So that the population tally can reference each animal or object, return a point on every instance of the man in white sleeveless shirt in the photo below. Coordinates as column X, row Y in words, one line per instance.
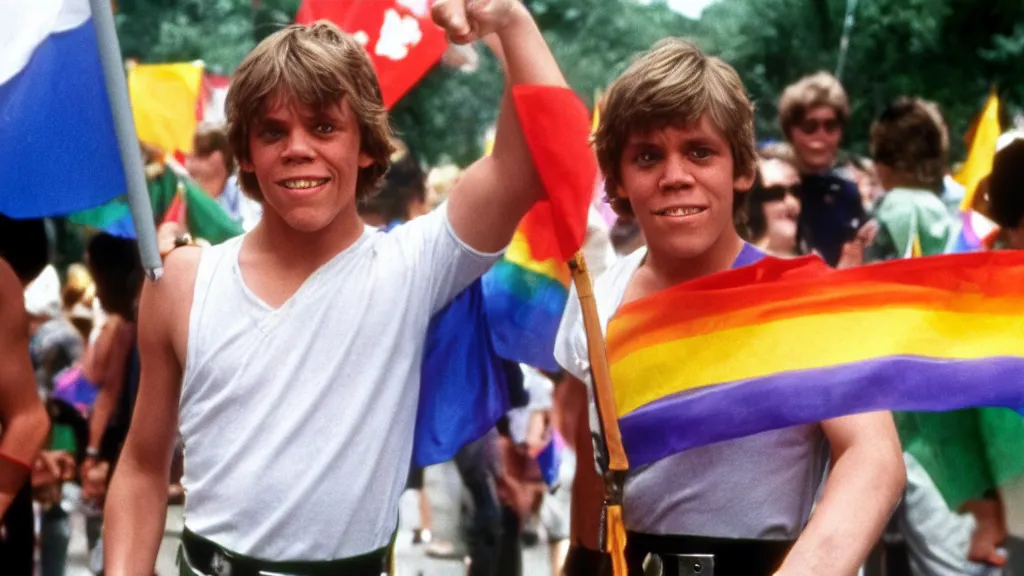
column 295, row 350
column 676, row 145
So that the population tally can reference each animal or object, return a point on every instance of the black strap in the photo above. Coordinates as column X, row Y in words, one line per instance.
column 733, row 556
column 201, row 553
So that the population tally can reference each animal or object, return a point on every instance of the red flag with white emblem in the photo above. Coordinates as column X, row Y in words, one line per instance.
column 402, row 40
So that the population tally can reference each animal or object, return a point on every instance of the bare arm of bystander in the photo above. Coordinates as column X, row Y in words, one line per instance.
column 24, row 424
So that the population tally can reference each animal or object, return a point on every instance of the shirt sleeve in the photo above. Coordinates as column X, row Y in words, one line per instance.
column 444, row 264
column 597, row 246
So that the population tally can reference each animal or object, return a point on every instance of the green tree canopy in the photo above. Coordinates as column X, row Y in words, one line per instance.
column 949, row 51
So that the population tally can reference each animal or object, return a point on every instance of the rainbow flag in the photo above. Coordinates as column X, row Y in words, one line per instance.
column 470, row 374
column 525, row 296
column 788, row 342
column 525, row 292
column 976, row 233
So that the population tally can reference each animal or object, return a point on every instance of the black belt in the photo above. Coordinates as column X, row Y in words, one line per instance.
column 208, row 557
column 682, row 555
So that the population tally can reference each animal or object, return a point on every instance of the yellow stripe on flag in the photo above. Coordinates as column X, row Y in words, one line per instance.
column 663, row 369
column 164, row 99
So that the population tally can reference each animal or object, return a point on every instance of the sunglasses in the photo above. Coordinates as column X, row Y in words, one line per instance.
column 777, row 193
column 812, row 125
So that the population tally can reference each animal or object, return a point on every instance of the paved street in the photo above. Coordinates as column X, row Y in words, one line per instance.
column 442, row 484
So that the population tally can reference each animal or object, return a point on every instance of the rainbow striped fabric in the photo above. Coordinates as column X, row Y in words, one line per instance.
column 525, row 296
column 787, row 342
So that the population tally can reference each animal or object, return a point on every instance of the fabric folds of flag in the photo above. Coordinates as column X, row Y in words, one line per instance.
column 399, row 35
column 526, row 291
column 754, row 349
column 982, row 153
column 466, row 387
column 171, row 195
column 165, row 98
column 56, row 126
column 510, row 316
column 976, row 233
column 557, row 225
column 525, row 298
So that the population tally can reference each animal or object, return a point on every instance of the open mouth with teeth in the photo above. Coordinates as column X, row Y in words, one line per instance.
column 680, row 211
column 304, row 183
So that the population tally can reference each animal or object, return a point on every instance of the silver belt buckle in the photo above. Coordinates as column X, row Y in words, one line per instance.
column 679, row 565
column 220, row 564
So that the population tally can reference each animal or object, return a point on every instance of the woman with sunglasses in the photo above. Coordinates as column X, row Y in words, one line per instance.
column 812, row 113
column 773, row 208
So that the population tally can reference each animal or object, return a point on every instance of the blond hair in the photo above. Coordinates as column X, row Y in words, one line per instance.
column 808, row 93
column 673, row 83
column 319, row 65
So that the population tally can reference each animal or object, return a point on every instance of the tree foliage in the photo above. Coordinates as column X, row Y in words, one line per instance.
column 445, row 118
column 949, row 51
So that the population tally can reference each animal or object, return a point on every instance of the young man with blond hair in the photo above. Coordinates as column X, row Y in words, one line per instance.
column 676, row 145
column 291, row 355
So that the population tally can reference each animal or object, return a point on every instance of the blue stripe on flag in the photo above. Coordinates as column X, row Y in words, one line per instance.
column 60, row 153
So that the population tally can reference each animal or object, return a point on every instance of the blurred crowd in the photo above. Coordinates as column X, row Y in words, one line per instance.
column 811, row 196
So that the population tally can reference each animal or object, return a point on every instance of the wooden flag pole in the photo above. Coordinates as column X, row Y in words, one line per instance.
column 608, row 449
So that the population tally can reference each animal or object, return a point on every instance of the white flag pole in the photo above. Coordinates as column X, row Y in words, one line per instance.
column 127, row 141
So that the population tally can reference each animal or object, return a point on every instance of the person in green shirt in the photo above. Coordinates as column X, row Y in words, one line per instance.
column 955, row 460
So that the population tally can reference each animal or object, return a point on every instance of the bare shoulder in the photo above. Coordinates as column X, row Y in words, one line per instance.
column 166, row 303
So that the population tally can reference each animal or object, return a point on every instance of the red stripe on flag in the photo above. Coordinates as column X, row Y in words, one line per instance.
column 556, row 126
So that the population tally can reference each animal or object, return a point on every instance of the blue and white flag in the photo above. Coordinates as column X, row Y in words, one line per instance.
column 58, row 150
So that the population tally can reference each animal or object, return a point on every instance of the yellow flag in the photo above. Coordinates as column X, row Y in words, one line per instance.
column 596, row 122
column 164, row 99
column 982, row 152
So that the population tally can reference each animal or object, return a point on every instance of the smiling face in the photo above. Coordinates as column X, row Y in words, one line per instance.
column 781, row 206
column 680, row 182
column 816, row 139
column 306, row 161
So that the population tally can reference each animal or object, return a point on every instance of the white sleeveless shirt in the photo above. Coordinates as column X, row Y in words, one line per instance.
column 762, row 486
column 298, row 421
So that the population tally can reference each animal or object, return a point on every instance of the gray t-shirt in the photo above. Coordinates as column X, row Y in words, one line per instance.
column 761, row 486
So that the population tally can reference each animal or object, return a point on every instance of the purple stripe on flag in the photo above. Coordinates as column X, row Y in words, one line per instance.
column 902, row 383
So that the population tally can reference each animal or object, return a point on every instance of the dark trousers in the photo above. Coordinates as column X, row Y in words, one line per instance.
column 17, row 535
column 477, row 465
column 511, row 555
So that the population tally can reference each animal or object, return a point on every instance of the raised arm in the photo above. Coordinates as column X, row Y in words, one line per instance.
column 24, row 424
column 136, row 506
column 495, row 192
